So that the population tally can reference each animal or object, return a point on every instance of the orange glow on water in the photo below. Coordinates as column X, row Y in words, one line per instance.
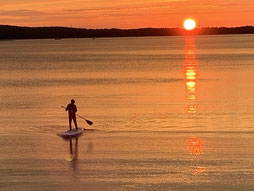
column 192, row 109
column 191, row 85
column 196, row 145
column 199, row 170
column 190, row 73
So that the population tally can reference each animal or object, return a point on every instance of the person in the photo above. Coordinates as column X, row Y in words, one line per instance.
column 72, row 109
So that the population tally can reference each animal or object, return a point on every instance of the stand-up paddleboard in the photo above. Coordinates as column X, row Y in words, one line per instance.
column 71, row 133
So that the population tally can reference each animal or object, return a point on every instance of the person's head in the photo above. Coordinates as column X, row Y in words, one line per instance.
column 72, row 101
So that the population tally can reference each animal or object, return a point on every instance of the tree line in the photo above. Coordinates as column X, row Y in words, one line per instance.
column 17, row 32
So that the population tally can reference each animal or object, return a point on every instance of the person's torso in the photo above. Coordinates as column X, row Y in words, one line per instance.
column 72, row 109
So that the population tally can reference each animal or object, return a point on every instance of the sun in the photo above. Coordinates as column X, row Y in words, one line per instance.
column 189, row 24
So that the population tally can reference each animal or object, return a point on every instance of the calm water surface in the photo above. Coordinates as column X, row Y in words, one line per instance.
column 169, row 113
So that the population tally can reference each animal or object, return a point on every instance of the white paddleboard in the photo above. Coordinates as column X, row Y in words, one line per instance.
column 72, row 133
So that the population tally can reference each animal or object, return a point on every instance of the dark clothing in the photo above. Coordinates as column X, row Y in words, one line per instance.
column 74, row 120
column 72, row 109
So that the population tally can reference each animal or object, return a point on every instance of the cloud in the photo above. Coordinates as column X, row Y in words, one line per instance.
column 21, row 13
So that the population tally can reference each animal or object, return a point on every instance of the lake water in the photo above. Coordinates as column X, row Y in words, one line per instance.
column 169, row 113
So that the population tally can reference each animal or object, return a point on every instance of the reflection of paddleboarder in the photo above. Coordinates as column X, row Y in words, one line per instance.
column 72, row 109
column 73, row 156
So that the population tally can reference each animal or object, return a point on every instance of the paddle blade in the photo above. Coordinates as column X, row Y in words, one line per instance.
column 89, row 122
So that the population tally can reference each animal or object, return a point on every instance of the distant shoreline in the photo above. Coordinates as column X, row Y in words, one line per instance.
column 8, row 32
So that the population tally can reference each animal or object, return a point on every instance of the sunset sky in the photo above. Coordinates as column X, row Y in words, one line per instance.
column 126, row 13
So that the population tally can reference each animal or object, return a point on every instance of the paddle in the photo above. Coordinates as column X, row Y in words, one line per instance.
column 89, row 122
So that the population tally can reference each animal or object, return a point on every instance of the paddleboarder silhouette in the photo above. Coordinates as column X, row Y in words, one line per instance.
column 72, row 109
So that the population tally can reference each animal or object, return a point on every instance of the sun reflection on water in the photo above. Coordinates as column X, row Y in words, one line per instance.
column 195, row 144
column 199, row 170
column 190, row 72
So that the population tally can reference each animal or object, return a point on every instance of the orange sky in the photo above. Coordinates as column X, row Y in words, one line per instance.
column 126, row 13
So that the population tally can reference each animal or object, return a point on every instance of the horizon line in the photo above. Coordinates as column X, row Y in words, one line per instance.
column 57, row 26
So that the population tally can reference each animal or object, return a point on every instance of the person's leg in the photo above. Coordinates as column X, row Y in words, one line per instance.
column 70, row 122
column 75, row 122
